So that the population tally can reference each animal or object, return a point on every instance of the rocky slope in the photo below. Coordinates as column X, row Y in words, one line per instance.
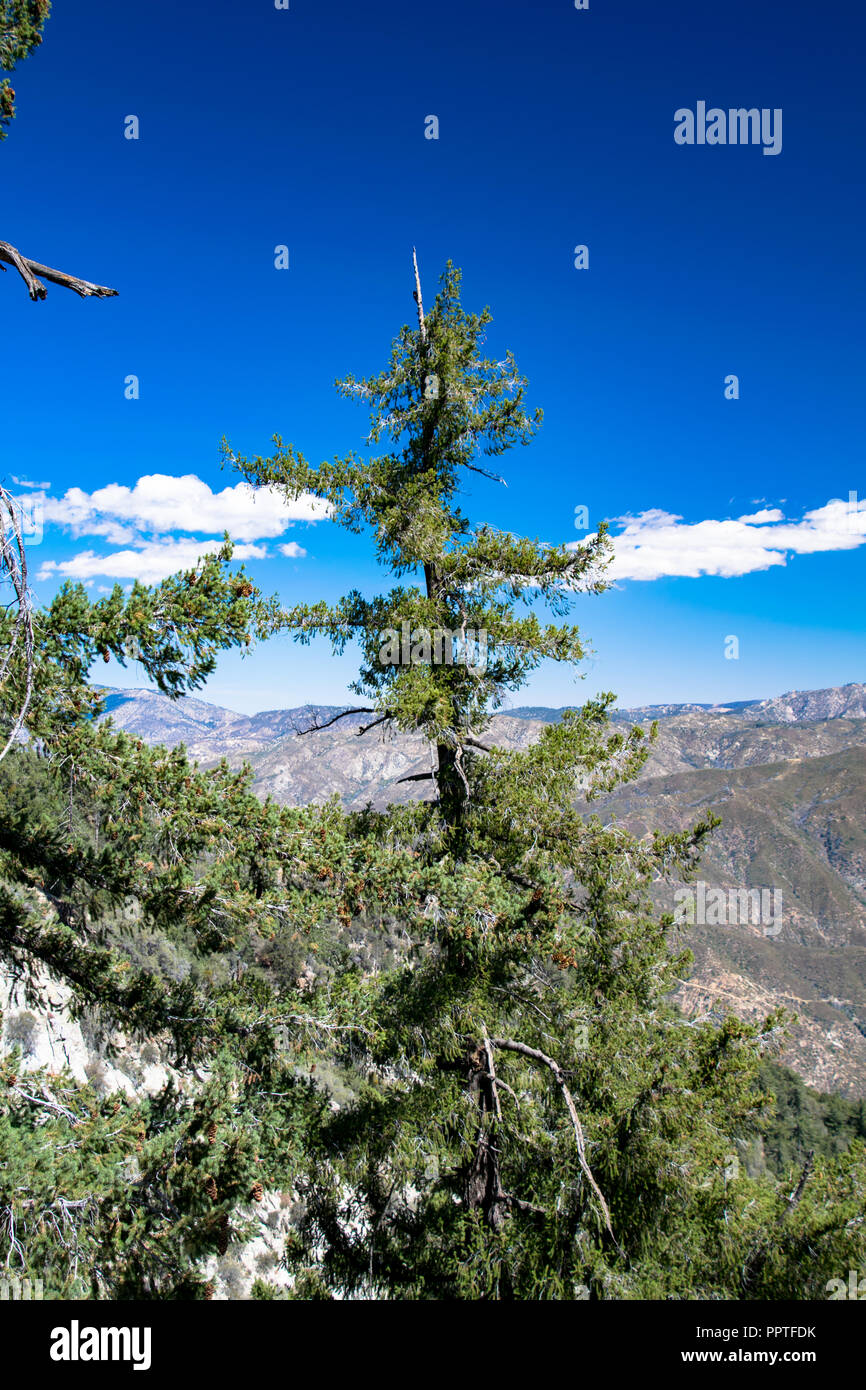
column 797, row 828
column 41, row 1025
column 786, row 775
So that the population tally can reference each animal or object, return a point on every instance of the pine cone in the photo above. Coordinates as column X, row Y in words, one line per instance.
column 208, row 1291
column 257, row 1192
column 210, row 1188
column 211, row 1132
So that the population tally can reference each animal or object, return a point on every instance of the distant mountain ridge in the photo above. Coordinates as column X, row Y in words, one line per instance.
column 836, row 702
column 147, row 713
column 787, row 775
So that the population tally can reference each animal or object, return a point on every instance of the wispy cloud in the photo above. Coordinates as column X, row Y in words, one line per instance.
column 150, row 562
column 657, row 544
column 24, row 482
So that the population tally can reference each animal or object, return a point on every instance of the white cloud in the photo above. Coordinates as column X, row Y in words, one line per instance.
column 23, row 482
column 151, row 562
column 146, row 519
column 656, row 544
column 768, row 514
column 160, row 503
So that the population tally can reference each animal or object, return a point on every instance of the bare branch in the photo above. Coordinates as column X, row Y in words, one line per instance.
column 494, row 477
column 315, row 728
column 520, row 1204
column 508, row 1045
column 491, row 1075
column 422, row 327
column 365, row 728
column 13, row 566
column 29, row 270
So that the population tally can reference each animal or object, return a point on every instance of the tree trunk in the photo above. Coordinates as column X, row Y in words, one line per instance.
column 484, row 1191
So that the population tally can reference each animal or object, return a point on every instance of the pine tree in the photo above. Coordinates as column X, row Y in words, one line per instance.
column 533, row 1118
column 523, row 1112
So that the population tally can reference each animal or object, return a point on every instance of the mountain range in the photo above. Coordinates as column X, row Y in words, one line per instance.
column 787, row 776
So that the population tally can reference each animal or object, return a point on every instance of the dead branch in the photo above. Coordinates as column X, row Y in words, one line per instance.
column 491, row 1075
column 315, row 728
column 518, row 1202
column 30, row 270
column 422, row 327
column 13, row 566
column 508, row 1045
column 365, row 728
column 474, row 468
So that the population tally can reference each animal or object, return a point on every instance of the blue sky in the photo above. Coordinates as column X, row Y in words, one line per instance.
column 262, row 127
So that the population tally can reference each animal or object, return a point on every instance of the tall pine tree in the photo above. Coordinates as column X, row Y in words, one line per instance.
column 524, row 1114
column 533, row 1118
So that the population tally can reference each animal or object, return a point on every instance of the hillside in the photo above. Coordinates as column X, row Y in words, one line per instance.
column 786, row 775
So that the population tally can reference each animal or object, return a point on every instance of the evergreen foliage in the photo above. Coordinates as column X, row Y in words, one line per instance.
column 523, row 1114
column 537, row 1118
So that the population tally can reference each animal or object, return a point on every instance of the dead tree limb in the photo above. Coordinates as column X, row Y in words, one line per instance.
column 491, row 1075
column 365, row 728
column 13, row 566
column 422, row 327
column 474, row 468
column 31, row 270
column 508, row 1045
column 315, row 728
